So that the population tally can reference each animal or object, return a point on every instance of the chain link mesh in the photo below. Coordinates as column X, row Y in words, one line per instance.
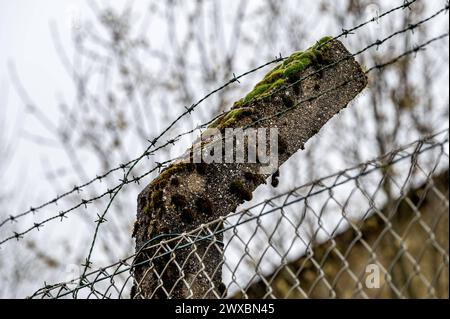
column 379, row 229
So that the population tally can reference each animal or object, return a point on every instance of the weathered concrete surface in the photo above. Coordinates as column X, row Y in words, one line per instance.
column 185, row 196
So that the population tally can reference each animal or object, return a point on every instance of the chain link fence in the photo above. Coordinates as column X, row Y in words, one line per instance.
column 379, row 229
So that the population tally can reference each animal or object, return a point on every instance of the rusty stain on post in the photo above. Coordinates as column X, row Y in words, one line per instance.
column 186, row 195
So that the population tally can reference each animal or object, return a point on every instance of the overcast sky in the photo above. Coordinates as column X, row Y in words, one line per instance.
column 27, row 45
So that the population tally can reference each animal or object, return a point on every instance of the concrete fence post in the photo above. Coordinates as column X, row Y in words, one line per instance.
column 289, row 106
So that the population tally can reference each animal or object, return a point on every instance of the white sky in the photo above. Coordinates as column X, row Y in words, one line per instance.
column 26, row 43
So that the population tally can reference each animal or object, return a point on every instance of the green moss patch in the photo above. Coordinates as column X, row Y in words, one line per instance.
column 285, row 71
column 231, row 118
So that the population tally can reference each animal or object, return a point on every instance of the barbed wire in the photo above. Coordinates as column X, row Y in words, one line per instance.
column 164, row 242
column 410, row 28
column 112, row 193
column 377, row 43
column 147, row 152
column 129, row 166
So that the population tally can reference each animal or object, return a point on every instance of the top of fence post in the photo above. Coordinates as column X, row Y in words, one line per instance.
column 237, row 153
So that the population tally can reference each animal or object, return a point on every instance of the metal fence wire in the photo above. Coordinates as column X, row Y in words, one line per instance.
column 127, row 167
column 378, row 229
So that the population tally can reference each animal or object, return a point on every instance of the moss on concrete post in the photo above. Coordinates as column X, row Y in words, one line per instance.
column 187, row 195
